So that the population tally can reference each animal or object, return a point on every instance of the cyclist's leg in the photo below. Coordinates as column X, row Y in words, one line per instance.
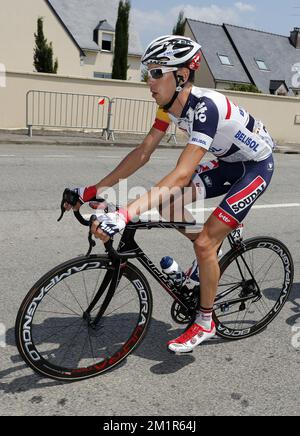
column 209, row 182
column 231, row 212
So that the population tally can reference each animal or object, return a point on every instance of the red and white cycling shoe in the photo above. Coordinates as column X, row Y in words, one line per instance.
column 191, row 338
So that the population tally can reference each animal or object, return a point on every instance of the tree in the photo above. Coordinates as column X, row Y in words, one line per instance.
column 144, row 74
column 180, row 25
column 245, row 88
column 120, row 66
column 43, row 52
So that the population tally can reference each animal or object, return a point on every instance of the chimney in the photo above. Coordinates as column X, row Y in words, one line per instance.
column 295, row 37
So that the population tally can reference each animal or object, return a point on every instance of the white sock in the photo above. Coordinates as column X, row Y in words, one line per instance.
column 204, row 318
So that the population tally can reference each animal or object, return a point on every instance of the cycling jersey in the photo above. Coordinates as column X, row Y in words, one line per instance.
column 216, row 124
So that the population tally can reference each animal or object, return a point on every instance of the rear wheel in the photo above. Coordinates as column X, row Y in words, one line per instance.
column 57, row 334
column 256, row 280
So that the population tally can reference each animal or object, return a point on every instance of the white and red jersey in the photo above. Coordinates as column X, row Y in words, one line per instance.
column 216, row 124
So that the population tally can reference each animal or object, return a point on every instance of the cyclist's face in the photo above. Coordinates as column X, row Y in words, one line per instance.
column 162, row 89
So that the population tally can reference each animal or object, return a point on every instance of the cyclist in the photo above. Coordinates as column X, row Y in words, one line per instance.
column 241, row 171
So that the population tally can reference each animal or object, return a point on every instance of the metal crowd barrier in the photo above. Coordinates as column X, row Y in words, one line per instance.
column 66, row 111
column 82, row 111
column 129, row 115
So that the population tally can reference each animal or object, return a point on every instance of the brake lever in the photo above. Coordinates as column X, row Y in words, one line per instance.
column 63, row 210
column 92, row 243
column 108, row 245
column 70, row 197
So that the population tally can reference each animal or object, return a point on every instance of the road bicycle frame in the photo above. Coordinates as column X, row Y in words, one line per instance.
column 129, row 249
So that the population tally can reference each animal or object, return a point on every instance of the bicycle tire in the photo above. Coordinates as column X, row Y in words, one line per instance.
column 228, row 266
column 29, row 335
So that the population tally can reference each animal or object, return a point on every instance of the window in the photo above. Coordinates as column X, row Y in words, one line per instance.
column 261, row 65
column 107, row 41
column 224, row 59
column 102, row 75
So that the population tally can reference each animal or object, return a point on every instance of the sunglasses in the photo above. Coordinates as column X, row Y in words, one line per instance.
column 157, row 73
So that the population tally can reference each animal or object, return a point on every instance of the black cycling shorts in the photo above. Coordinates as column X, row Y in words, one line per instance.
column 242, row 182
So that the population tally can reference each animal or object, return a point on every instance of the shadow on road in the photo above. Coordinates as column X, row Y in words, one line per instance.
column 153, row 348
column 295, row 300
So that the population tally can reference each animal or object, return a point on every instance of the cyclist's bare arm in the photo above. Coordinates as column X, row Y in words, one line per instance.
column 179, row 177
column 136, row 159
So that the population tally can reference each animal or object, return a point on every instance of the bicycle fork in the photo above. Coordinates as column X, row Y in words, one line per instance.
column 111, row 279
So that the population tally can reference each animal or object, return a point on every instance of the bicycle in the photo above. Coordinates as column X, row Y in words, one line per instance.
column 88, row 314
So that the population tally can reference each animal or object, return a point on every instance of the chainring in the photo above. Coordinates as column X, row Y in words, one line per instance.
column 190, row 297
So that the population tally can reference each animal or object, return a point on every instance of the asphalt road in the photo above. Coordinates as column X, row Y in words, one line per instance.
column 257, row 376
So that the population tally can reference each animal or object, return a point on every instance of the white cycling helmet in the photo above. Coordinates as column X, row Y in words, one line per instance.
column 172, row 50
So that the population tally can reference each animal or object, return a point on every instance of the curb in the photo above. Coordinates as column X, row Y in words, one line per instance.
column 90, row 143
column 83, row 144
column 286, row 150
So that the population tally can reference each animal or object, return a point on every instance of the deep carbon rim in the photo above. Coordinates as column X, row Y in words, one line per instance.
column 33, row 336
column 272, row 271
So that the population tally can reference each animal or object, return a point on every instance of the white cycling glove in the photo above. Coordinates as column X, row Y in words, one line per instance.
column 114, row 222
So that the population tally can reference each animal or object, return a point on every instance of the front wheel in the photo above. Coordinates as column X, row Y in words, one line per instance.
column 256, row 280
column 73, row 325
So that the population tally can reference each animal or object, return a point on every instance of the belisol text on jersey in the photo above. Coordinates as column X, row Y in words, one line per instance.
column 247, row 140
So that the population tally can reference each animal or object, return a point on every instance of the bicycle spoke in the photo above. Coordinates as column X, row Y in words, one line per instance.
column 69, row 347
column 52, row 312
column 115, row 295
column 67, row 286
column 260, row 272
column 82, row 350
column 120, row 307
column 64, row 335
column 97, row 285
column 91, row 347
column 85, row 289
column 61, row 303
column 61, row 328
column 265, row 274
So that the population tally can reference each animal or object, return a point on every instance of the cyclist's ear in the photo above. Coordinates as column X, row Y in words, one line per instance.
column 183, row 75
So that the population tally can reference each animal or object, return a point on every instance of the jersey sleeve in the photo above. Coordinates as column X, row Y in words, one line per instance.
column 162, row 120
column 205, row 123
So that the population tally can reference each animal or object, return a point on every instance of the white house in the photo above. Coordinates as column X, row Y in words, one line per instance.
column 82, row 33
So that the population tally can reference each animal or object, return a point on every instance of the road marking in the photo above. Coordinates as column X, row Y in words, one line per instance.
column 122, row 157
column 7, row 155
column 255, row 207
column 57, row 156
column 154, row 214
column 276, row 206
column 110, row 157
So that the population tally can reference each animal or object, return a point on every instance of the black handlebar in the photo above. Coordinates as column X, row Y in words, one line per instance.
column 109, row 244
column 72, row 198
